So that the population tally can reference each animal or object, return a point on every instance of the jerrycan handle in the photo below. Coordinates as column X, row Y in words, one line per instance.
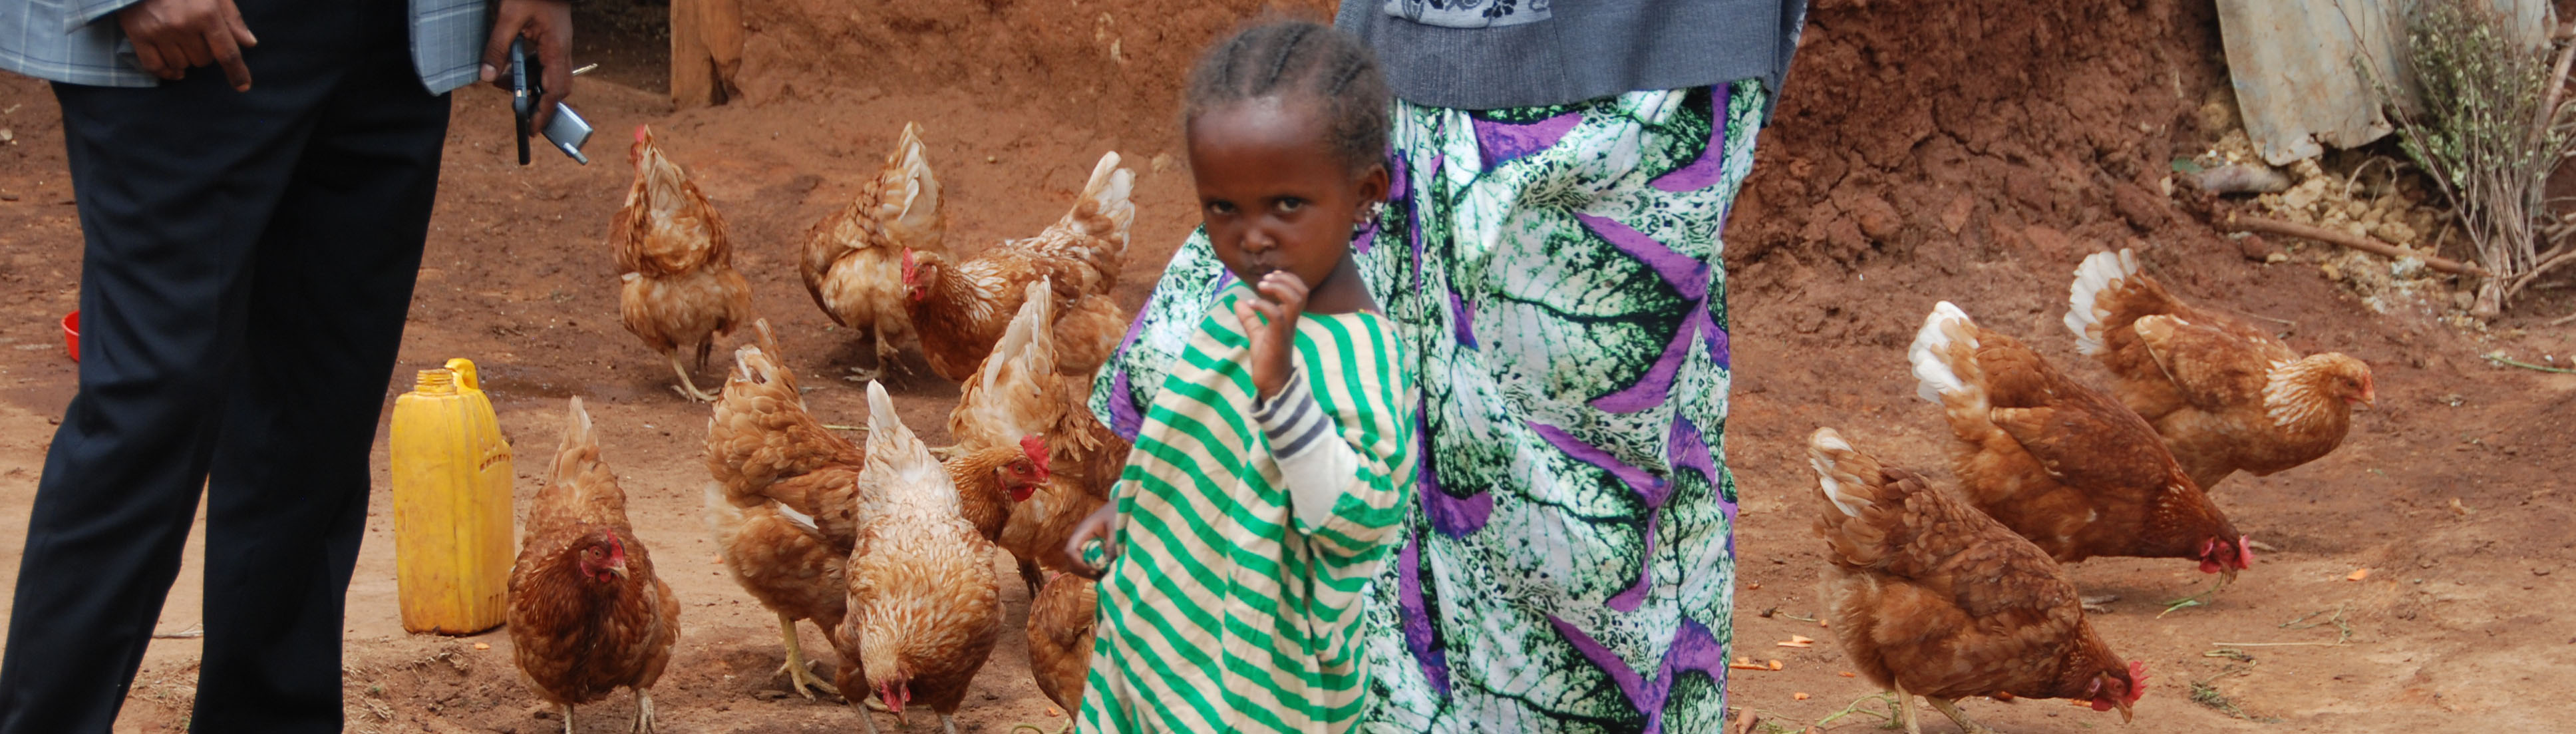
column 465, row 375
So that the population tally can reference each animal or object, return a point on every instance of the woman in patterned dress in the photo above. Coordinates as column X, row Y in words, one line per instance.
column 1272, row 472
column 1550, row 258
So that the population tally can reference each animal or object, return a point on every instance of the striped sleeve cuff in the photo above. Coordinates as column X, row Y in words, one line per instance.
column 1291, row 418
column 1313, row 459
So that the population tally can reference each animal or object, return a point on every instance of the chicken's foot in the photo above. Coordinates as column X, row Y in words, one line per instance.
column 867, row 721
column 687, row 388
column 1951, row 709
column 2099, row 604
column 798, row 676
column 864, row 374
column 643, row 712
column 947, row 724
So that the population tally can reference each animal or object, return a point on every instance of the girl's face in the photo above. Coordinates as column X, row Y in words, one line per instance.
column 1274, row 195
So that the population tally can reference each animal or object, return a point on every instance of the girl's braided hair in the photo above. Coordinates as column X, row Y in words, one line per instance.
column 1301, row 57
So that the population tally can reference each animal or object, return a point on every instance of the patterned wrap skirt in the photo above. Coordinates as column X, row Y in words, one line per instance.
column 1569, row 563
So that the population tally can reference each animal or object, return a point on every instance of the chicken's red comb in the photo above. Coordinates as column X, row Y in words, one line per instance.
column 640, row 133
column 1035, row 446
column 907, row 266
column 2137, row 679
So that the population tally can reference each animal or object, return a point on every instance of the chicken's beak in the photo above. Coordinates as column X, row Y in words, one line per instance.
column 2123, row 706
column 618, row 570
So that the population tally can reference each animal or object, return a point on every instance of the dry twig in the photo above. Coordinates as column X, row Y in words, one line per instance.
column 2273, row 226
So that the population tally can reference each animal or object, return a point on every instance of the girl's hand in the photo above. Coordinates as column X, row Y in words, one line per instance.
column 1283, row 297
column 1102, row 526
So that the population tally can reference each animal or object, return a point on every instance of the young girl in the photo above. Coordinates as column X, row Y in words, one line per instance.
column 1271, row 476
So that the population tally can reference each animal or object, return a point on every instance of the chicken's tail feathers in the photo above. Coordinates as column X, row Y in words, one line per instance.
column 2101, row 272
column 1105, row 209
column 1843, row 473
column 1943, row 350
column 763, row 336
column 580, row 446
column 1026, row 333
column 913, row 192
column 898, row 463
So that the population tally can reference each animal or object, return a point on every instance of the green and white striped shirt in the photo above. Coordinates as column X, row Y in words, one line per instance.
column 1250, row 534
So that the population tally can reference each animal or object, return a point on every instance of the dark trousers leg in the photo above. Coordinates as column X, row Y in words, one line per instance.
column 287, row 502
column 248, row 262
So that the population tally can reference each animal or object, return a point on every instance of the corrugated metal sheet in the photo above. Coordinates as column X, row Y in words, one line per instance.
column 2294, row 67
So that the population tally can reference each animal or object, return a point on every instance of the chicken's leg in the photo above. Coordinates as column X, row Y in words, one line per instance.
column 1913, row 718
column 947, row 724
column 687, row 388
column 1029, row 574
column 798, row 676
column 643, row 711
column 1951, row 709
column 567, row 714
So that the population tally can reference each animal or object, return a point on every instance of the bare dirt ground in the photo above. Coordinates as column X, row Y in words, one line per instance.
column 1904, row 169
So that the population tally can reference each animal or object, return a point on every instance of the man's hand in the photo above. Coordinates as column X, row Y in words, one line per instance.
column 547, row 24
column 1283, row 297
column 172, row 36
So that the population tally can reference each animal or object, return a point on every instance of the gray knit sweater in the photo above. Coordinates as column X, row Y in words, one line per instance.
column 1493, row 54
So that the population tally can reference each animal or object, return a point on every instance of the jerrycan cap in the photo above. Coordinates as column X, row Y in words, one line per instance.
column 435, row 382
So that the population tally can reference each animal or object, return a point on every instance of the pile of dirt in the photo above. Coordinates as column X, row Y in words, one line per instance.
column 1108, row 65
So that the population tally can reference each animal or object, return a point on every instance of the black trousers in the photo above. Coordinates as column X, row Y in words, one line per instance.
column 248, row 266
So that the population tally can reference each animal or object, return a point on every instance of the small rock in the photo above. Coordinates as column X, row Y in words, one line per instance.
column 2395, row 232
column 2540, row 572
column 2332, row 272
column 2276, row 258
column 2254, row 247
column 769, row 694
column 6, row 196
column 989, row 695
column 2305, row 194
column 543, row 714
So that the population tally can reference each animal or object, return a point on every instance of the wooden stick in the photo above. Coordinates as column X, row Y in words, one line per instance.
column 2273, row 226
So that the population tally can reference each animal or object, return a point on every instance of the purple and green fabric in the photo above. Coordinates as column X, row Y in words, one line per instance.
column 1557, row 273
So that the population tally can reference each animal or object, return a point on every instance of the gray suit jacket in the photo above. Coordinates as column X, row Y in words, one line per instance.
column 74, row 41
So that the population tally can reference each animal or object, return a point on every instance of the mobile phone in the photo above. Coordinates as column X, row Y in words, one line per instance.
column 567, row 131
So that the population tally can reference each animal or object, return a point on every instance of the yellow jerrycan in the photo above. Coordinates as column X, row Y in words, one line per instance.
column 451, row 477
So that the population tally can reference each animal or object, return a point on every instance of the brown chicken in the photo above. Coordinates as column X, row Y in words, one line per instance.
column 678, row 287
column 586, row 613
column 788, row 570
column 852, row 264
column 924, row 604
column 2060, row 462
column 1931, row 598
column 1060, row 638
column 2225, row 395
column 1021, row 390
column 959, row 309
column 778, row 469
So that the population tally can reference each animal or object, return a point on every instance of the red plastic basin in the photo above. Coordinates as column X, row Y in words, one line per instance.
column 71, row 335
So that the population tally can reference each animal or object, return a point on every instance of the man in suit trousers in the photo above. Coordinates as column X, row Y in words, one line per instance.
column 254, row 185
